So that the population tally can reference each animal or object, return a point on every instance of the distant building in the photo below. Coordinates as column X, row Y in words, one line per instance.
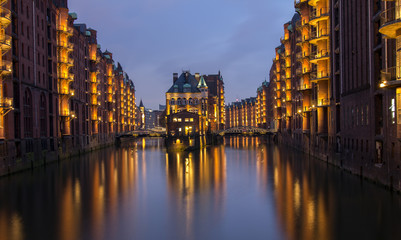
column 186, row 105
column 242, row 113
column 216, row 101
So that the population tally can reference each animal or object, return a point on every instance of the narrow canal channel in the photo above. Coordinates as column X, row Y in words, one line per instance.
column 244, row 189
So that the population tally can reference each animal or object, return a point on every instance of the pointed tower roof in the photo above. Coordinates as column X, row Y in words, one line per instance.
column 202, row 83
column 141, row 104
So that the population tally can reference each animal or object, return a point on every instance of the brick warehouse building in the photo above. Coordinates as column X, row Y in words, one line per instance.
column 60, row 93
column 334, row 86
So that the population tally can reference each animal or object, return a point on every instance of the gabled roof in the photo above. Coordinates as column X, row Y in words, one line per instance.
column 185, row 78
column 202, row 83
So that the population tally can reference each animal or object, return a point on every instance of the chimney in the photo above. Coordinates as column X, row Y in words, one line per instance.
column 197, row 76
column 175, row 77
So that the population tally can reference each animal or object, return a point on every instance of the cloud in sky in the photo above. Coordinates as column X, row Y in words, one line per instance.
column 154, row 38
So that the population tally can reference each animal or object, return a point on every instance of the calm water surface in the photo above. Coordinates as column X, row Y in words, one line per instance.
column 245, row 189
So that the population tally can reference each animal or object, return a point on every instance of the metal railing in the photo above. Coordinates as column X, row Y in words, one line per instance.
column 321, row 102
column 5, row 42
column 320, row 54
column 319, row 75
column 64, row 44
column 6, row 102
column 317, row 13
column 65, row 60
column 390, row 15
column 391, row 74
column 6, row 67
column 323, row 32
column 5, row 14
column 65, row 29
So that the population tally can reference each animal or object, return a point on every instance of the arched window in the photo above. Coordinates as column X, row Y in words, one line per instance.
column 42, row 115
column 179, row 101
column 190, row 102
column 184, row 101
column 28, row 123
column 172, row 101
column 195, row 101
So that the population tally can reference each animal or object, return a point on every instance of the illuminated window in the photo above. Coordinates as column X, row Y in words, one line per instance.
column 179, row 129
column 174, row 119
column 191, row 119
column 186, row 119
column 179, row 120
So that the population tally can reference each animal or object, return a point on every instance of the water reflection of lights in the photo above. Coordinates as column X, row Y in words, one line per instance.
column 191, row 174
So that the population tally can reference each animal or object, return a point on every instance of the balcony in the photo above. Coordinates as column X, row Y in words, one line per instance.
column 320, row 55
column 67, row 92
column 6, row 103
column 321, row 102
column 390, row 22
column 6, row 67
column 305, row 87
column 317, row 15
column 320, row 76
column 66, row 30
column 5, row 17
column 66, row 45
column 313, row 2
column 67, row 113
column 391, row 77
column 66, row 76
column 5, row 43
column 304, row 39
column 319, row 35
column 66, row 61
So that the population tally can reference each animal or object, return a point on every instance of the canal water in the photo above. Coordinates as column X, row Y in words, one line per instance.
column 244, row 189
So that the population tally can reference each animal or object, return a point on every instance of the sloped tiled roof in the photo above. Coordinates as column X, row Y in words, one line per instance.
column 185, row 78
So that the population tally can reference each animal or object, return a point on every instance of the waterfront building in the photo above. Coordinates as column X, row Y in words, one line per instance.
column 261, row 105
column 187, row 105
column 60, row 93
column 242, row 113
column 216, row 101
column 343, row 101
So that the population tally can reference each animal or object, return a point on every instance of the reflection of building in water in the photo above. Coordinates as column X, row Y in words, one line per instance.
column 108, row 178
column 243, row 142
column 191, row 174
column 301, row 208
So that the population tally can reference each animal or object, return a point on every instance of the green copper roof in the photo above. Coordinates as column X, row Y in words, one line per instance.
column 202, row 83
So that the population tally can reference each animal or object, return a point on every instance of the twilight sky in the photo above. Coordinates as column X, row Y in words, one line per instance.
column 154, row 38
